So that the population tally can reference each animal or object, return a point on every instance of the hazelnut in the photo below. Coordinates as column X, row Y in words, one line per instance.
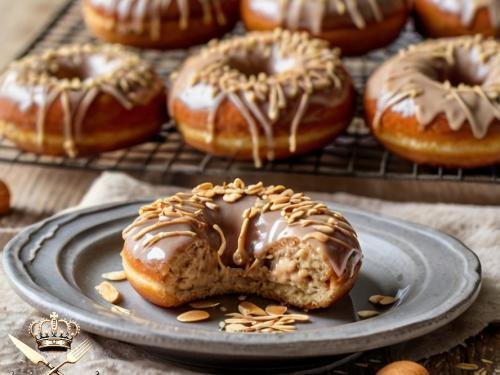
column 403, row 368
column 4, row 198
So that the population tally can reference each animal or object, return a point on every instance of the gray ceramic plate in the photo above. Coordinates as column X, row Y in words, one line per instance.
column 55, row 265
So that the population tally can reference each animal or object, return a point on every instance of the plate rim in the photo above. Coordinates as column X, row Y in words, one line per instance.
column 95, row 323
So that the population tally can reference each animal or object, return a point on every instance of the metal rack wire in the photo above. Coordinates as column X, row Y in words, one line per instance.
column 354, row 154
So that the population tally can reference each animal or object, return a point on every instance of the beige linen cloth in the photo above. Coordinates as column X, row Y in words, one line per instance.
column 478, row 227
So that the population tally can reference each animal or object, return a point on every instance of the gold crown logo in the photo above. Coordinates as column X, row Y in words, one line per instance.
column 54, row 333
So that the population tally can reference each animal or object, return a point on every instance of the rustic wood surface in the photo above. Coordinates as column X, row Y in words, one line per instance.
column 40, row 192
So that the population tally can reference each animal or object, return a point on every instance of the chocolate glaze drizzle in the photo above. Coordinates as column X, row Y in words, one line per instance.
column 299, row 70
column 310, row 14
column 132, row 16
column 75, row 75
column 467, row 9
column 241, row 223
column 458, row 77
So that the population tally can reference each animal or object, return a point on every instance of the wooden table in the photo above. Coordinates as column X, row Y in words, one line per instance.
column 40, row 192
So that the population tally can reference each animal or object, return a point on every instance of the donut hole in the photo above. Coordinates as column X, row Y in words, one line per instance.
column 84, row 68
column 258, row 64
column 465, row 70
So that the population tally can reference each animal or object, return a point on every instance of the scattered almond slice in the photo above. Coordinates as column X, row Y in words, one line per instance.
column 366, row 314
column 378, row 299
column 236, row 328
column 276, row 310
column 249, row 308
column 375, row 299
column 387, row 300
column 108, row 292
column 204, row 304
column 120, row 310
column 114, row 276
column 193, row 316
column 298, row 317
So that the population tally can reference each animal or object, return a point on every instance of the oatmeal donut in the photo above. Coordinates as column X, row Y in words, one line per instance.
column 160, row 24
column 80, row 99
column 439, row 102
column 232, row 238
column 355, row 26
column 266, row 94
column 437, row 18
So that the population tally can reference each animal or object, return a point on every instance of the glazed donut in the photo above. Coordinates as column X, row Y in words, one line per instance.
column 232, row 238
column 437, row 18
column 160, row 24
column 438, row 102
column 79, row 100
column 355, row 26
column 267, row 93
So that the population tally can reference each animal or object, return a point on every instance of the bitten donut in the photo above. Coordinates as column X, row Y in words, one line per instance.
column 79, row 100
column 160, row 24
column 355, row 26
column 264, row 95
column 233, row 238
column 439, row 102
column 437, row 18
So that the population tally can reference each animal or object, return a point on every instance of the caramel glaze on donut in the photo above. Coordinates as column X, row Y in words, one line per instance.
column 437, row 18
column 267, row 94
column 233, row 238
column 160, row 24
column 79, row 100
column 355, row 26
column 439, row 102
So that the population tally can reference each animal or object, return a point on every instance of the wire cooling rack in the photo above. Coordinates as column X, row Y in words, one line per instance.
column 353, row 154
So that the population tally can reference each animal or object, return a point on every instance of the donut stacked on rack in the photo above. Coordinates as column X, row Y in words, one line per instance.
column 438, row 18
column 355, row 26
column 160, row 24
column 439, row 102
column 264, row 95
column 79, row 100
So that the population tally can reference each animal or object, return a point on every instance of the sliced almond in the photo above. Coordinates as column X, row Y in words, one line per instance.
column 375, row 299
column 249, row 308
column 120, row 310
column 193, row 316
column 108, row 292
column 387, row 300
column 238, row 321
column 366, row 314
column 236, row 328
column 114, row 276
column 204, row 304
column 298, row 317
column 276, row 310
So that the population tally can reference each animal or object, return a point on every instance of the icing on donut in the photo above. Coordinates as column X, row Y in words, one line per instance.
column 309, row 15
column 458, row 77
column 242, row 222
column 261, row 74
column 138, row 13
column 467, row 9
column 75, row 75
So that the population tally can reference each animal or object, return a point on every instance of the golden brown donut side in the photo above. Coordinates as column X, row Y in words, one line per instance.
column 349, row 38
column 232, row 136
column 435, row 22
column 107, row 125
column 437, row 144
column 170, row 32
